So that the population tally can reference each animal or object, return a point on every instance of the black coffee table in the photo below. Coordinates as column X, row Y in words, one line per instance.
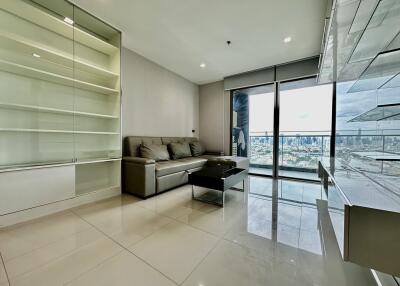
column 220, row 178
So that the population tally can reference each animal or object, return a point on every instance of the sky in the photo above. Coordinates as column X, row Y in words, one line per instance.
column 304, row 109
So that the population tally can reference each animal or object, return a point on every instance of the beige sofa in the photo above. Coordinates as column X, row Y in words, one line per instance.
column 145, row 177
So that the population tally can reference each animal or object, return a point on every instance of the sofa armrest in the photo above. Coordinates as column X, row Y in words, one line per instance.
column 139, row 160
column 139, row 176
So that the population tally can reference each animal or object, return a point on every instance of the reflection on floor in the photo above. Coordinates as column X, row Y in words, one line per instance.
column 274, row 233
column 285, row 173
column 260, row 171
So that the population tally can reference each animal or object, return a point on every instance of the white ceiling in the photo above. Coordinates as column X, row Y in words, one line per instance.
column 181, row 34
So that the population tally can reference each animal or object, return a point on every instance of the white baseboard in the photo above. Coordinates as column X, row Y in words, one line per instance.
column 40, row 211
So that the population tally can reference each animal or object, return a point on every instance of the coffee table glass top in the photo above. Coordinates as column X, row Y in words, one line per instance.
column 219, row 171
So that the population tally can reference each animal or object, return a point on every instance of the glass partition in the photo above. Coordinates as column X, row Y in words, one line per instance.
column 305, row 110
column 60, row 91
column 368, row 133
column 60, row 84
column 368, row 105
column 36, row 83
column 97, row 64
column 304, row 127
column 253, row 126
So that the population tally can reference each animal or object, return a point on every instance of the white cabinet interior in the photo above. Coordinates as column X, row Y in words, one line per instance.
column 59, row 91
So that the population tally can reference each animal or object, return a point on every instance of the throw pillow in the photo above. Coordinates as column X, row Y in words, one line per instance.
column 196, row 148
column 179, row 150
column 155, row 152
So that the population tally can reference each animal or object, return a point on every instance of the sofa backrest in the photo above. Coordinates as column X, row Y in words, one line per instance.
column 167, row 140
column 132, row 143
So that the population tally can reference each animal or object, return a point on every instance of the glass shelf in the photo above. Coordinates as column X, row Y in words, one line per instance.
column 394, row 117
column 381, row 112
column 39, row 16
column 60, row 85
column 392, row 83
column 60, row 99
column 52, row 77
column 34, row 165
column 29, row 46
column 382, row 28
column 54, row 110
column 57, row 131
column 379, row 156
column 379, row 74
column 358, row 31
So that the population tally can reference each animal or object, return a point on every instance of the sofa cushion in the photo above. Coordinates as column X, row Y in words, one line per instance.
column 174, row 166
column 155, row 152
column 138, row 160
column 168, row 140
column 196, row 148
column 132, row 144
column 179, row 150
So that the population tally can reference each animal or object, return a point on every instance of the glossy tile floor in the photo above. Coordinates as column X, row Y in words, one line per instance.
column 274, row 233
column 285, row 173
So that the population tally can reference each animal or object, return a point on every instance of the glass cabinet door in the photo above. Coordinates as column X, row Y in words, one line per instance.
column 97, row 88
column 36, row 83
column 253, row 126
column 305, row 127
column 59, row 84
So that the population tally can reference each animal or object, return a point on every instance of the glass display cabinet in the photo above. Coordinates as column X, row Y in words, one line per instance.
column 60, row 91
column 362, row 56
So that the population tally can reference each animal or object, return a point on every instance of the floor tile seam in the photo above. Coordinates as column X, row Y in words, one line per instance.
column 47, row 244
column 51, row 243
column 111, row 235
column 175, row 220
column 34, row 221
column 56, row 258
column 266, row 259
column 145, row 236
column 202, row 260
column 14, row 228
column 94, row 267
column 131, row 252
column 5, row 269
column 162, row 214
column 171, row 217
column 202, row 230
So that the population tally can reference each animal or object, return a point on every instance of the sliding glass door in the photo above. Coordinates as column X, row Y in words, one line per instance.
column 252, row 126
column 304, row 128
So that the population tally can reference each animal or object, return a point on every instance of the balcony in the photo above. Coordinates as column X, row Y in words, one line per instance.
column 299, row 152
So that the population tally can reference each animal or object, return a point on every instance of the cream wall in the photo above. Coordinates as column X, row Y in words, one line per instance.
column 214, row 117
column 156, row 101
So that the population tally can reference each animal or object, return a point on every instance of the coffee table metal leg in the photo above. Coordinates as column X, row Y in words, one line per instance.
column 221, row 204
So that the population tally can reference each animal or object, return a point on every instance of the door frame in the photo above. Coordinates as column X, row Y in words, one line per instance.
column 276, row 125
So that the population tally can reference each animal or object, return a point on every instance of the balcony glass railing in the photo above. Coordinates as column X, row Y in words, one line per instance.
column 297, row 151
column 371, row 153
column 301, row 151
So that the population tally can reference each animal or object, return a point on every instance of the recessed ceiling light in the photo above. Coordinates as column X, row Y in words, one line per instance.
column 68, row 20
column 202, row 65
column 36, row 55
column 287, row 39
